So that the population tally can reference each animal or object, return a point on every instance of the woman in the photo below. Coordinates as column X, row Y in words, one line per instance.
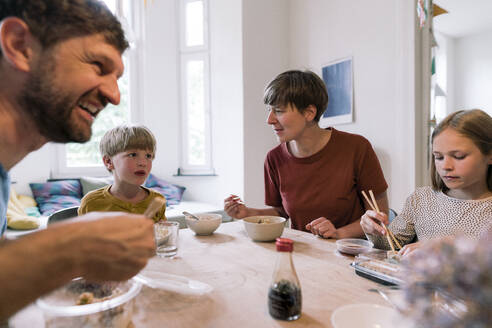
column 315, row 176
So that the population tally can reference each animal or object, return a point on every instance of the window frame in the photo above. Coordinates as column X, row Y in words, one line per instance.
column 186, row 55
column 134, row 57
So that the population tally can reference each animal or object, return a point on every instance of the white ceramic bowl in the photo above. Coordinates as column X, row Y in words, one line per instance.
column 264, row 228
column 208, row 223
column 353, row 246
column 60, row 309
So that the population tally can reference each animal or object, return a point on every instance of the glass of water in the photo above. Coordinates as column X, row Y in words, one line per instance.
column 166, row 238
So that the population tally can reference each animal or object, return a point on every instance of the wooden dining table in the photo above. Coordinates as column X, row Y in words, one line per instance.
column 240, row 272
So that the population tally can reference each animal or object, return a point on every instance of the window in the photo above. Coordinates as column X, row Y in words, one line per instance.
column 75, row 158
column 196, row 155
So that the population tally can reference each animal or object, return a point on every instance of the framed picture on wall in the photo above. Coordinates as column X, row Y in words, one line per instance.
column 338, row 78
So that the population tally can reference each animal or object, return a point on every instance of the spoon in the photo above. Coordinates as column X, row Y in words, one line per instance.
column 191, row 215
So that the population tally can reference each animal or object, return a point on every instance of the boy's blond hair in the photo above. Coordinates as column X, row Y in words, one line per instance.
column 124, row 137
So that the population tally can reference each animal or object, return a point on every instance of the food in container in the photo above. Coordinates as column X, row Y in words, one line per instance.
column 393, row 256
column 376, row 266
column 107, row 304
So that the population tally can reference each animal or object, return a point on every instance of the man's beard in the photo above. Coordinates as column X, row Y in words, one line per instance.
column 51, row 109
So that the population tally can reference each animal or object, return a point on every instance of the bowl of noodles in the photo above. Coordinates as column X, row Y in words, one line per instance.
column 264, row 228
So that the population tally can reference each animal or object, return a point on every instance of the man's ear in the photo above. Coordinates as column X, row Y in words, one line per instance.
column 310, row 112
column 108, row 162
column 16, row 43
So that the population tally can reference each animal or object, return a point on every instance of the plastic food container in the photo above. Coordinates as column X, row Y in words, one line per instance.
column 353, row 246
column 112, row 304
column 374, row 265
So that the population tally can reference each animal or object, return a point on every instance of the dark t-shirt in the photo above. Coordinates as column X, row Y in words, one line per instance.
column 328, row 183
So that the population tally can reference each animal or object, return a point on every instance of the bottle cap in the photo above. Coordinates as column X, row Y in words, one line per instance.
column 284, row 245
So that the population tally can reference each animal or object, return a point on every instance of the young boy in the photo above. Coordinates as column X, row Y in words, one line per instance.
column 128, row 152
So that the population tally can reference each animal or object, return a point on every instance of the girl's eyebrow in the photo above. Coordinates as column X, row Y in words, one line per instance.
column 451, row 151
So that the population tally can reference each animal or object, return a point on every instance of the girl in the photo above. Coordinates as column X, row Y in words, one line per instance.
column 460, row 199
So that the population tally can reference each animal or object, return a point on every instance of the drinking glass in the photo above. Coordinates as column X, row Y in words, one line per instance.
column 166, row 238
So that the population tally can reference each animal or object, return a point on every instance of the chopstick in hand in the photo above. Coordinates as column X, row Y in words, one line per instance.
column 154, row 206
column 374, row 200
column 374, row 206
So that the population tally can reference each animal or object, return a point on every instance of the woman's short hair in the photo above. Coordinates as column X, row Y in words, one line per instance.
column 125, row 137
column 474, row 124
column 300, row 88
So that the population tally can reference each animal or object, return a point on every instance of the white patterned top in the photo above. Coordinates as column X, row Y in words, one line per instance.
column 430, row 214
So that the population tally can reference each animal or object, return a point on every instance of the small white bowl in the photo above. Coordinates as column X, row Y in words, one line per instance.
column 208, row 223
column 264, row 228
column 353, row 246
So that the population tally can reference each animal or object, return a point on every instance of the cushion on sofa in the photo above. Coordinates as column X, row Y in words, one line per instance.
column 89, row 183
column 172, row 192
column 54, row 195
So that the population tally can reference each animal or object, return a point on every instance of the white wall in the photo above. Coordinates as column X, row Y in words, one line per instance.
column 266, row 30
column 473, row 71
column 35, row 167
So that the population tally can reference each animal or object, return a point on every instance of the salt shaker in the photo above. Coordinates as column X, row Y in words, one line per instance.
column 284, row 295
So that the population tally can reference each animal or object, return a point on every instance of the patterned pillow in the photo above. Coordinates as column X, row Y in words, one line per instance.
column 55, row 195
column 172, row 192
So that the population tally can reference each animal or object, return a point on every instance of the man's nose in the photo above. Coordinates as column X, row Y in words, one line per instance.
column 110, row 90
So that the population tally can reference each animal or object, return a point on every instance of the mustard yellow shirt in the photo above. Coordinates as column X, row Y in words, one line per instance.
column 101, row 200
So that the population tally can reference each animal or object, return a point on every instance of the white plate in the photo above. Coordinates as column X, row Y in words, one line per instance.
column 365, row 316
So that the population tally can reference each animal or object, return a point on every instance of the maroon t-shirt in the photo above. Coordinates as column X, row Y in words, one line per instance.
column 328, row 183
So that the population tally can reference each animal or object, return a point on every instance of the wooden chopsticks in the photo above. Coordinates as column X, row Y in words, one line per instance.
column 374, row 207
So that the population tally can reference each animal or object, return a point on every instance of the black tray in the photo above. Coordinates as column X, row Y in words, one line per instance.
column 376, row 276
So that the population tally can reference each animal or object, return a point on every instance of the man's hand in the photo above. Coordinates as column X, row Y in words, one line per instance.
column 109, row 246
column 322, row 227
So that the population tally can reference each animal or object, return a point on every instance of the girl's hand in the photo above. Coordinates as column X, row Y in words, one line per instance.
column 409, row 248
column 371, row 222
column 322, row 227
column 234, row 207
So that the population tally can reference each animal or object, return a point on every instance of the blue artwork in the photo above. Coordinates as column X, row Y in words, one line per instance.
column 338, row 80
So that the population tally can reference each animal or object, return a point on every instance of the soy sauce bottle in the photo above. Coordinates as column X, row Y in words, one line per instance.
column 284, row 295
